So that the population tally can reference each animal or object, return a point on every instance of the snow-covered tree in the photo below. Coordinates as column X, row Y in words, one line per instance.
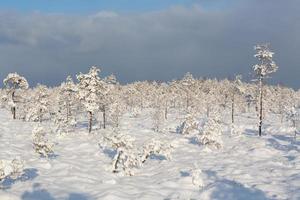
column 65, row 115
column 197, row 177
column 158, row 117
column 41, row 144
column 211, row 134
column 126, row 158
column 188, row 126
column 39, row 105
column 11, row 168
column 262, row 70
column 91, row 92
column 156, row 147
column 14, row 82
column 294, row 116
column 236, row 89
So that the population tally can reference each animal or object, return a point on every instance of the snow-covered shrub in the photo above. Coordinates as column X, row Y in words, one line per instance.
column 293, row 114
column 12, row 169
column 129, row 157
column 211, row 134
column 188, row 126
column 235, row 130
column 197, row 177
column 156, row 147
column 126, row 158
column 40, row 142
column 158, row 118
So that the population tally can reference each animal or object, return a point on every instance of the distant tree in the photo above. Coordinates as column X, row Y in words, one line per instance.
column 236, row 89
column 13, row 82
column 39, row 105
column 262, row 70
column 91, row 92
column 65, row 102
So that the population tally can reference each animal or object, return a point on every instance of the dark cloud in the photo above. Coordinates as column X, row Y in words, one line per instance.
column 158, row 45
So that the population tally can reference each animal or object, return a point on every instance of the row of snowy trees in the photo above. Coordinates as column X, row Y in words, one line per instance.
column 104, row 100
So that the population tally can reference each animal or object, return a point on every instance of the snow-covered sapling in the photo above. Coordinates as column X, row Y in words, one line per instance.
column 91, row 92
column 12, row 169
column 39, row 105
column 188, row 126
column 158, row 118
column 212, row 133
column 40, row 142
column 197, row 179
column 294, row 116
column 65, row 115
column 156, row 147
column 262, row 70
column 13, row 82
column 126, row 158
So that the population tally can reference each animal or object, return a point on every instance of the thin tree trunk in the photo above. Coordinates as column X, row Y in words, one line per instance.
column 261, row 106
column 90, row 121
column 13, row 109
column 104, row 117
column 40, row 115
column 116, row 162
column 166, row 111
column 232, row 109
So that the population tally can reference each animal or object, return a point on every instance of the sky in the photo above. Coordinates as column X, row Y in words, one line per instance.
column 46, row 40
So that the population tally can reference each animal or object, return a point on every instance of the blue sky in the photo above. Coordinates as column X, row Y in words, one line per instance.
column 86, row 6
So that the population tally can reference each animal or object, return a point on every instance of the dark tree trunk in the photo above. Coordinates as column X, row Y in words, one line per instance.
column 116, row 163
column 261, row 106
column 104, row 118
column 13, row 109
column 90, row 121
column 166, row 111
column 40, row 115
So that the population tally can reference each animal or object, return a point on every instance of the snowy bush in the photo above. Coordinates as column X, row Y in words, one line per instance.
column 156, row 147
column 197, row 178
column 211, row 134
column 126, row 158
column 129, row 157
column 12, row 169
column 158, row 119
column 235, row 130
column 188, row 126
column 40, row 142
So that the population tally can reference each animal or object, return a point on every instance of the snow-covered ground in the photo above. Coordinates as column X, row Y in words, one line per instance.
column 247, row 167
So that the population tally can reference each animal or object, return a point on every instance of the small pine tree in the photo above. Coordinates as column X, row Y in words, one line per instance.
column 40, row 142
column 262, row 70
column 12, row 169
column 91, row 92
column 14, row 82
column 212, row 133
column 188, row 126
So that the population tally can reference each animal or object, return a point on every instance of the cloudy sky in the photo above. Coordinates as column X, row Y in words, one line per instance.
column 45, row 40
